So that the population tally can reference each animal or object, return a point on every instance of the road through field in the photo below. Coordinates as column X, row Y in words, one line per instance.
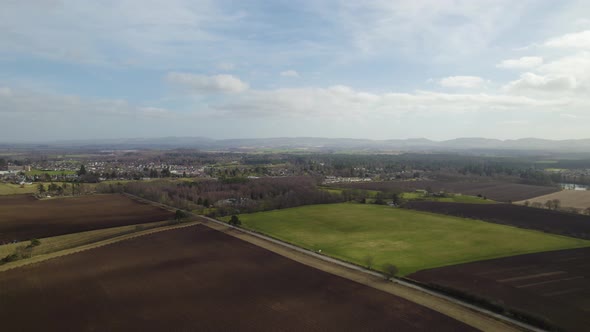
column 478, row 318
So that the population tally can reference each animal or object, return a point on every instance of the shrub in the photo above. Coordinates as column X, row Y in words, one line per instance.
column 234, row 221
column 390, row 271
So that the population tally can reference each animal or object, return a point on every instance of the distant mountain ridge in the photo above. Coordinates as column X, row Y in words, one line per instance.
column 332, row 144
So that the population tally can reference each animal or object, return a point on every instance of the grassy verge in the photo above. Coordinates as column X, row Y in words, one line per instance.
column 62, row 242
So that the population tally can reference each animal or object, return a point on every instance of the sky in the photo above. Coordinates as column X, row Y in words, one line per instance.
column 377, row 69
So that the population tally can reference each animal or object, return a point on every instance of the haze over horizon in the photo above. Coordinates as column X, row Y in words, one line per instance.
column 253, row 69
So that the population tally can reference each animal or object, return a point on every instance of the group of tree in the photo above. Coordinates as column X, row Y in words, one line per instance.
column 553, row 204
column 231, row 195
column 63, row 189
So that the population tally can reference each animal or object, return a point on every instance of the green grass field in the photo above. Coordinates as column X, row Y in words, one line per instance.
column 452, row 198
column 335, row 190
column 14, row 189
column 409, row 239
column 41, row 172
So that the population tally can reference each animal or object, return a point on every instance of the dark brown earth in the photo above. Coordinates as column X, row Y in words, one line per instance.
column 551, row 285
column 569, row 224
column 198, row 279
column 24, row 217
column 498, row 191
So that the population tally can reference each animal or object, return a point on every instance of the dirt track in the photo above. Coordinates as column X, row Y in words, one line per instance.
column 24, row 217
column 197, row 278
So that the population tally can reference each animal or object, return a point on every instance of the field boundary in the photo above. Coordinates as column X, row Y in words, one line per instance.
column 61, row 253
column 152, row 203
column 470, row 314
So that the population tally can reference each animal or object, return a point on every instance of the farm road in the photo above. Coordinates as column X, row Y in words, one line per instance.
column 462, row 312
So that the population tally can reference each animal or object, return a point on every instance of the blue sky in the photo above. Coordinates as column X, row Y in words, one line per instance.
column 379, row 69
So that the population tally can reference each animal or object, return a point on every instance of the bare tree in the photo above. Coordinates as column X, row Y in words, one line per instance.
column 390, row 271
column 549, row 204
column 368, row 261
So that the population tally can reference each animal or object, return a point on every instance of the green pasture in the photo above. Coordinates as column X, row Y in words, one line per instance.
column 449, row 198
column 409, row 239
column 41, row 172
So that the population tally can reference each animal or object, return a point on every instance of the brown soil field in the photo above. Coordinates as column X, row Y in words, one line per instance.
column 551, row 285
column 549, row 221
column 198, row 278
column 579, row 199
column 24, row 217
column 498, row 191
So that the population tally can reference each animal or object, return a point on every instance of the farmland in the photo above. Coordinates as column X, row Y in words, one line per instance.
column 24, row 217
column 579, row 199
column 409, row 239
column 450, row 198
column 14, row 189
column 204, row 280
column 544, row 220
column 497, row 191
column 552, row 285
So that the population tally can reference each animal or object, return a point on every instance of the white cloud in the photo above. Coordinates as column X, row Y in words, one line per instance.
column 207, row 84
column 575, row 65
column 345, row 102
column 568, row 116
column 126, row 32
column 5, row 92
column 289, row 73
column 526, row 62
column 442, row 29
column 571, row 40
column 26, row 103
column 467, row 82
column 534, row 82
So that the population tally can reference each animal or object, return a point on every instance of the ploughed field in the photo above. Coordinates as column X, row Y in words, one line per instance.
column 579, row 199
column 553, row 286
column 198, row 279
column 497, row 191
column 24, row 217
column 549, row 221
column 409, row 239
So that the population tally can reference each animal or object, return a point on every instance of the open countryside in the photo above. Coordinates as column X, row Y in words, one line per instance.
column 579, row 200
column 23, row 218
column 552, row 287
column 199, row 278
column 544, row 220
column 376, row 235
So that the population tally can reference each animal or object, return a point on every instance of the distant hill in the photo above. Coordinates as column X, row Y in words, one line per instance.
column 334, row 144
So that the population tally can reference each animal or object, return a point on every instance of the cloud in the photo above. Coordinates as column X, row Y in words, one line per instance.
column 534, row 82
column 526, row 62
column 5, row 92
column 26, row 103
column 289, row 73
column 571, row 40
column 201, row 84
column 444, row 30
column 126, row 32
column 467, row 82
column 343, row 102
column 574, row 65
